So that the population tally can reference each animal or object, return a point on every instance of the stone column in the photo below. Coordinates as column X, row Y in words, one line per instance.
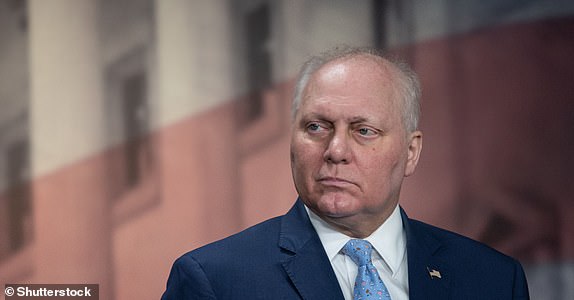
column 71, row 208
column 195, row 89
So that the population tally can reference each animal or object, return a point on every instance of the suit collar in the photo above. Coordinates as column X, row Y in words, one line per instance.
column 306, row 264
column 425, row 263
column 310, row 271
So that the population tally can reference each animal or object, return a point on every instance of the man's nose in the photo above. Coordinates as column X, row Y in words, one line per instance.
column 338, row 149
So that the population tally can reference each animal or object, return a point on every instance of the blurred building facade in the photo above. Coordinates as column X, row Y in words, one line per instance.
column 132, row 131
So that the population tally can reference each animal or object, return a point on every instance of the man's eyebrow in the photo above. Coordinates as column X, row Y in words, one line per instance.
column 320, row 116
column 314, row 115
column 358, row 119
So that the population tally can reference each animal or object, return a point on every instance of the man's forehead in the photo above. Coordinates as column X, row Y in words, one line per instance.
column 334, row 71
column 350, row 74
column 338, row 86
column 356, row 71
column 363, row 60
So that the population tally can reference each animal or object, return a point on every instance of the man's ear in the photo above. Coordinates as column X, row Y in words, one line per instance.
column 415, row 145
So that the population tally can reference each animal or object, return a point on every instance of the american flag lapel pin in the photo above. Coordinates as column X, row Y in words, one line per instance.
column 434, row 273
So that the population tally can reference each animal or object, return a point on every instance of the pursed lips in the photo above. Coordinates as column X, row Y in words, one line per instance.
column 334, row 181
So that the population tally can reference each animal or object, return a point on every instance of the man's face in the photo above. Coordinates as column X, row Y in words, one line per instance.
column 349, row 148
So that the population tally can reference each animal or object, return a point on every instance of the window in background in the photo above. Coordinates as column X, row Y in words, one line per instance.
column 258, row 57
column 17, row 198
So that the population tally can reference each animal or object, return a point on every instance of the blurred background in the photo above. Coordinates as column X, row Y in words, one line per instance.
column 132, row 131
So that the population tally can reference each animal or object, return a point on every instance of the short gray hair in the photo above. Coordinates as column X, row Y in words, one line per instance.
column 407, row 81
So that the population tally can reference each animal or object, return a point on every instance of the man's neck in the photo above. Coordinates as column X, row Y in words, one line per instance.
column 358, row 226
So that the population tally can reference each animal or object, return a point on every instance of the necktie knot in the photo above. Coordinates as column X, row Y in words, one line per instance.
column 359, row 251
column 368, row 283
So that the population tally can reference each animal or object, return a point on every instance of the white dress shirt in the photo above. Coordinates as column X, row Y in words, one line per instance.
column 389, row 257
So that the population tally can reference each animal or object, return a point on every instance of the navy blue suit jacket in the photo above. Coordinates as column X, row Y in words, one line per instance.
column 283, row 258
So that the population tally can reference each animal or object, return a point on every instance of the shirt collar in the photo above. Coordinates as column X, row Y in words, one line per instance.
column 389, row 240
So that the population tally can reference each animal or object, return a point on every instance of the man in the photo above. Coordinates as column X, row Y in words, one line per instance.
column 354, row 139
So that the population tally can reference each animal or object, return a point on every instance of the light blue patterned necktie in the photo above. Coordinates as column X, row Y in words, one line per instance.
column 368, row 284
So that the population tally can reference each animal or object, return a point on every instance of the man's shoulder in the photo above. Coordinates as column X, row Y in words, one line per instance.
column 456, row 244
column 252, row 240
column 238, row 266
column 466, row 263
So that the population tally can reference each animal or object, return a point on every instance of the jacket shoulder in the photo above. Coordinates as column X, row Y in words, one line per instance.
column 253, row 239
column 452, row 241
column 470, row 265
column 237, row 267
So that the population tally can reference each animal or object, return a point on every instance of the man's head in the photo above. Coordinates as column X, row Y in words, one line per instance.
column 407, row 81
column 354, row 137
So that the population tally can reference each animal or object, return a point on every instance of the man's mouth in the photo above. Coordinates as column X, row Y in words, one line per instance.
column 334, row 181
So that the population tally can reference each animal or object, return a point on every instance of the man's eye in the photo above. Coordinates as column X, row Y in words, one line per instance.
column 314, row 127
column 366, row 131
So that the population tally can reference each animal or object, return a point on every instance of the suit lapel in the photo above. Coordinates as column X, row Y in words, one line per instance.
column 428, row 273
column 306, row 262
column 310, row 271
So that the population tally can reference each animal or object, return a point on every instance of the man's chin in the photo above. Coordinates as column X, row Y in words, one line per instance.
column 336, row 207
